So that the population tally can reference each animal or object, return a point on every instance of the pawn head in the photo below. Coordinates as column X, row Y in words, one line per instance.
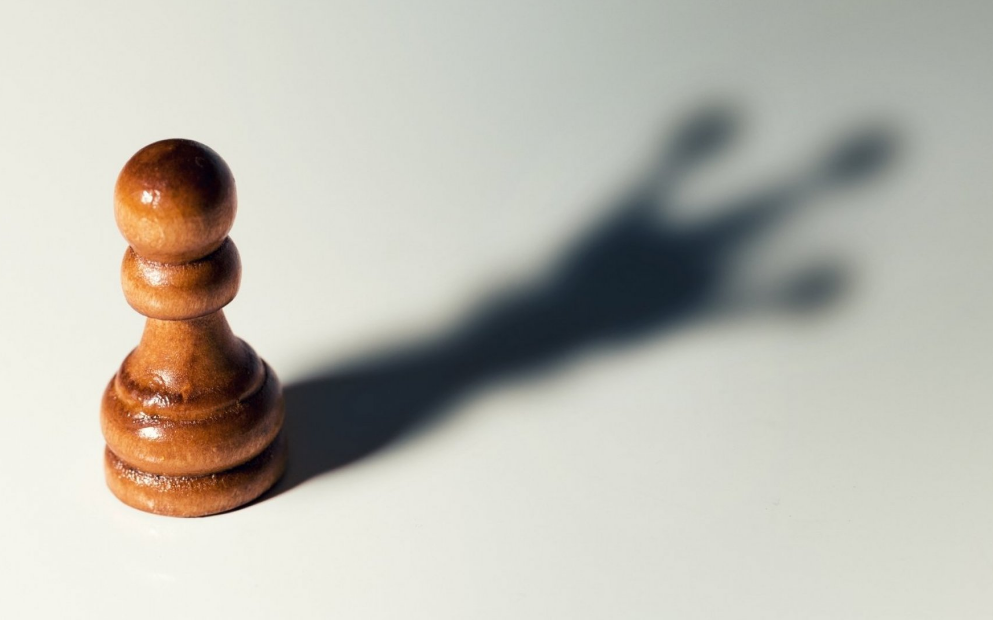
column 175, row 201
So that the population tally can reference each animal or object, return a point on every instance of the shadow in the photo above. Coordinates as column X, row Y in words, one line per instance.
column 634, row 273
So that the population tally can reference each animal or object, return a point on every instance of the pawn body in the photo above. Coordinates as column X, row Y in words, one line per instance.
column 192, row 418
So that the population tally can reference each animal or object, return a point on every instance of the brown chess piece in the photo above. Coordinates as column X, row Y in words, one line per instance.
column 192, row 418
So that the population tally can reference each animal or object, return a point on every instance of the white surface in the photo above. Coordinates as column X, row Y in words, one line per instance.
column 396, row 161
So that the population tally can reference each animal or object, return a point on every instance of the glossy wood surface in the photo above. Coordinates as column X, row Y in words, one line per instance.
column 192, row 418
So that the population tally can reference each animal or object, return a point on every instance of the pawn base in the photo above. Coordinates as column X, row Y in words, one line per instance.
column 196, row 496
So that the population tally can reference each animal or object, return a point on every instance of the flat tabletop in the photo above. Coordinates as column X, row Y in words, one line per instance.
column 582, row 309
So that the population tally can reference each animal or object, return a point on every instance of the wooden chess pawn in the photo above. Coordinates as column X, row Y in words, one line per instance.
column 192, row 418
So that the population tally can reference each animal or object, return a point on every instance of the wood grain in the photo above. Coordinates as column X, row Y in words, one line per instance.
column 192, row 418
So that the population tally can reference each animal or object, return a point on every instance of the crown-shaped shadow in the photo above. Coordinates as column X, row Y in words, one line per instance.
column 635, row 273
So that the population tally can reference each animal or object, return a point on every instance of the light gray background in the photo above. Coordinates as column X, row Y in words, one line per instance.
column 395, row 162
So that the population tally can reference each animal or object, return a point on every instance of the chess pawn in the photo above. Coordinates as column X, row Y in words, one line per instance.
column 192, row 418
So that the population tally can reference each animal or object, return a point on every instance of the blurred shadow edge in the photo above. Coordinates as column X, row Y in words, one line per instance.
column 631, row 275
